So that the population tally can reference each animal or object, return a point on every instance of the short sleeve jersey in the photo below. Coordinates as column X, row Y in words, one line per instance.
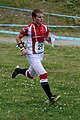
column 35, row 37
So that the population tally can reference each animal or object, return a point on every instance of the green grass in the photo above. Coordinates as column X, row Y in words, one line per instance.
column 58, row 6
column 67, row 7
column 24, row 99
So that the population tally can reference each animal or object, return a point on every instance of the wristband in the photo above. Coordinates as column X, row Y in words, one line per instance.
column 22, row 48
column 21, row 45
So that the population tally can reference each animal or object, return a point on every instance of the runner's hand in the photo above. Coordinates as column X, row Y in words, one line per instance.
column 24, row 52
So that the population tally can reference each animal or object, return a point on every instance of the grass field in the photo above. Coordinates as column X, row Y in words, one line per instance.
column 24, row 99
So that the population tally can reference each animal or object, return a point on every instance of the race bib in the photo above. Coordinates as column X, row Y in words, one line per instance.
column 39, row 47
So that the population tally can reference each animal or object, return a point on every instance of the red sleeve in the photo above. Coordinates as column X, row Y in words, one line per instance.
column 47, row 33
column 24, row 31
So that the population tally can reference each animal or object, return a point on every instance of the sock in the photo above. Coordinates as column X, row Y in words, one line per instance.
column 46, row 88
column 22, row 71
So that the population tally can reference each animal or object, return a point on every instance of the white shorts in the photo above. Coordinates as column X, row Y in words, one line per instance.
column 36, row 66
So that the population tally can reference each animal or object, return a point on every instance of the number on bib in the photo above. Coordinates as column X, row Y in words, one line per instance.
column 39, row 47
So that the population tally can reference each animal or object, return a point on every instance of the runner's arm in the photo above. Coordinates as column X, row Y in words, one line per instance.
column 20, row 43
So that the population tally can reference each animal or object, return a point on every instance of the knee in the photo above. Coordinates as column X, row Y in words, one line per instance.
column 28, row 75
column 43, row 77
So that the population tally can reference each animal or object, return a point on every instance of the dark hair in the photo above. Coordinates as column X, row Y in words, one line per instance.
column 36, row 11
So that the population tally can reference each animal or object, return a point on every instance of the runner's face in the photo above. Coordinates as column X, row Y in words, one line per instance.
column 38, row 19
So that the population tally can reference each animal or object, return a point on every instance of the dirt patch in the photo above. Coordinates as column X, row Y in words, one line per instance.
column 8, row 40
column 57, row 42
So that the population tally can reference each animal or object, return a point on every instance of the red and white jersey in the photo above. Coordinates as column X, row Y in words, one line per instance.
column 35, row 37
